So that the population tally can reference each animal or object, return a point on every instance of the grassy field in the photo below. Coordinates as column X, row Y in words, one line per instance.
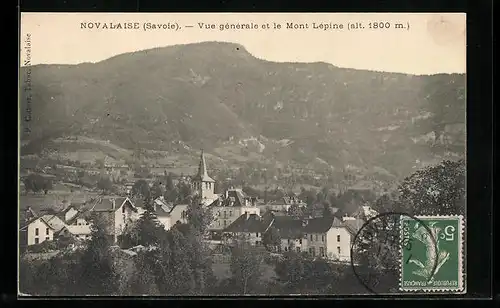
column 53, row 199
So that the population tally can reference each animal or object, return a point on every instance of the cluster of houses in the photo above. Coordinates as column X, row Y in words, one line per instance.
column 235, row 215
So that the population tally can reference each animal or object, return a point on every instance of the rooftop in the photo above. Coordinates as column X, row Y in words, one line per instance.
column 291, row 227
column 202, row 174
column 108, row 204
column 252, row 223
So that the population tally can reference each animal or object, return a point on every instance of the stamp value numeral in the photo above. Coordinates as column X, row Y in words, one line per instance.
column 448, row 234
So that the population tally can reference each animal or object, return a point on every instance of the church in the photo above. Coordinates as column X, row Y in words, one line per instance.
column 226, row 207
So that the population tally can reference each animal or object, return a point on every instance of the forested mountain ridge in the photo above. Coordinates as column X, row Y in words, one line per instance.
column 219, row 97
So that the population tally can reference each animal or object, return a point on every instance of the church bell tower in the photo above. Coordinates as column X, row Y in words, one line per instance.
column 203, row 184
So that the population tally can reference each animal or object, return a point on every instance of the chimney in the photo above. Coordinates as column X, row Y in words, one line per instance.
column 305, row 222
column 247, row 215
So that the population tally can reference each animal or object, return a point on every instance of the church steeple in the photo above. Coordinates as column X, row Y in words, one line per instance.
column 204, row 185
column 202, row 170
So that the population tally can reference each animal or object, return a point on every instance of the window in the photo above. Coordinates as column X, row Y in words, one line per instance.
column 321, row 252
column 36, row 240
column 298, row 249
column 225, row 214
column 286, row 248
column 312, row 251
column 218, row 223
column 311, row 237
column 36, row 231
column 338, row 238
column 225, row 223
column 123, row 209
column 316, row 238
column 46, row 231
column 322, row 238
column 47, row 238
column 338, row 250
column 300, row 241
column 230, row 213
column 288, row 241
column 257, row 234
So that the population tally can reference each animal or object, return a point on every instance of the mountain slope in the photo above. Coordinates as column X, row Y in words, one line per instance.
column 218, row 96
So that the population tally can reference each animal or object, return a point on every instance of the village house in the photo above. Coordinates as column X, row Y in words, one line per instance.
column 77, row 219
column 229, row 207
column 327, row 237
column 282, row 205
column 290, row 231
column 248, row 227
column 40, row 229
column 166, row 213
column 364, row 212
column 117, row 212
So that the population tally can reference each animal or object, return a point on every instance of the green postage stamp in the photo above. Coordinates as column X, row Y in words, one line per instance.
column 432, row 254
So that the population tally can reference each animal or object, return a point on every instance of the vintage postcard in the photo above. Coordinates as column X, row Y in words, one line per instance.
column 242, row 154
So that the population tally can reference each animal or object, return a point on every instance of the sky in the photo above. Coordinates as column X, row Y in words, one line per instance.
column 433, row 43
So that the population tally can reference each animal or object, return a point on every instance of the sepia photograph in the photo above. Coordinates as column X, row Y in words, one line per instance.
column 242, row 154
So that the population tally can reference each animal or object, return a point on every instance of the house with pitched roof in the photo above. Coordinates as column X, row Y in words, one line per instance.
column 40, row 229
column 229, row 207
column 282, row 205
column 327, row 237
column 250, row 227
column 117, row 212
column 166, row 213
column 290, row 230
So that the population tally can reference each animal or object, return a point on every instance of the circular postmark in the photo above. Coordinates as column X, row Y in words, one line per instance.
column 376, row 251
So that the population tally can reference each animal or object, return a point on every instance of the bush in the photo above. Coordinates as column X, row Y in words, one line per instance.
column 45, row 246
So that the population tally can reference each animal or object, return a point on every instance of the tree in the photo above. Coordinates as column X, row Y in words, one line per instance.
column 246, row 262
column 300, row 274
column 149, row 230
column 184, row 192
column 169, row 182
column 52, row 277
column 327, row 210
column 435, row 190
column 174, row 274
column 99, row 162
column 96, row 275
column 198, row 216
column 199, row 258
column 141, row 189
column 376, row 251
column 144, row 279
column 271, row 239
column 157, row 190
column 105, row 184
column 35, row 183
column 386, row 204
column 309, row 196
column 47, row 185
